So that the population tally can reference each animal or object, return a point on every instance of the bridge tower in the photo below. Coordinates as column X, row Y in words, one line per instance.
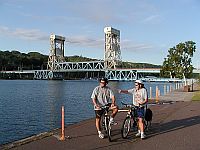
column 112, row 53
column 56, row 55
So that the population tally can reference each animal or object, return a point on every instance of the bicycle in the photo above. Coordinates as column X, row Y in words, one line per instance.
column 105, row 122
column 131, row 118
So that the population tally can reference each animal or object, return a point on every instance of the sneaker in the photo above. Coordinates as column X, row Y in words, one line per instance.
column 138, row 134
column 101, row 135
column 143, row 136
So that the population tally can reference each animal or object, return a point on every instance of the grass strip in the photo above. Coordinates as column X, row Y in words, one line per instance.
column 196, row 96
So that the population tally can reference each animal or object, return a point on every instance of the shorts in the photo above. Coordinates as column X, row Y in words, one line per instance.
column 140, row 112
column 99, row 113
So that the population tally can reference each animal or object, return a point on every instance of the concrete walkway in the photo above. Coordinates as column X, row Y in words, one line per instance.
column 175, row 126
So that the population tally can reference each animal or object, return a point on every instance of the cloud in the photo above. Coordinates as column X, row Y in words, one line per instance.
column 26, row 34
column 11, row 3
column 109, row 12
column 77, row 41
column 37, row 35
column 85, row 41
column 127, row 45
column 152, row 19
column 94, row 11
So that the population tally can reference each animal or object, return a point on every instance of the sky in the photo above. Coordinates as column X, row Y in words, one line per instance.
column 148, row 28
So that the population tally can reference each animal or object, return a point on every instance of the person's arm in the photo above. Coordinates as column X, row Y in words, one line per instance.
column 112, row 97
column 94, row 98
column 123, row 91
column 95, row 103
column 143, row 102
column 113, row 101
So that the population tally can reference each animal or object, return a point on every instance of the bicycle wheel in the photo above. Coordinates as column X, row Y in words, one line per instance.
column 103, row 123
column 126, row 127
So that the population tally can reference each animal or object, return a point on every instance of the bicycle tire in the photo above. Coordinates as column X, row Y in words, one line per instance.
column 108, row 128
column 126, row 126
column 135, row 124
column 109, row 132
column 106, row 121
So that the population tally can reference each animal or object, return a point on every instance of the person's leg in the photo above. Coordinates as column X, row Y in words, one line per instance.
column 141, row 123
column 97, row 122
column 114, row 112
column 140, row 114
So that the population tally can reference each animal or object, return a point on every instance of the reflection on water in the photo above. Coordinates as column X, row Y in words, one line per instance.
column 29, row 107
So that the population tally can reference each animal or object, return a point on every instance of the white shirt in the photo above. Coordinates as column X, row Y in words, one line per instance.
column 102, row 95
column 138, row 95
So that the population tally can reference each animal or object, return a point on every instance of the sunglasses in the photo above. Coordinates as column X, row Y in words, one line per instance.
column 103, row 82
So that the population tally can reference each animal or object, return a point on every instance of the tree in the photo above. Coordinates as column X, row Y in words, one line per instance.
column 179, row 60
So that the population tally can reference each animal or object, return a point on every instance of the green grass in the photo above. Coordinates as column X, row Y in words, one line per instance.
column 196, row 96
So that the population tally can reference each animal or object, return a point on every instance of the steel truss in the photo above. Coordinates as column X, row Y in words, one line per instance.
column 43, row 74
column 121, row 75
column 47, row 74
column 113, row 74
column 80, row 66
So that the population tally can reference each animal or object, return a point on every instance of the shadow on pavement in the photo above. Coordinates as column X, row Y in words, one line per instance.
column 174, row 125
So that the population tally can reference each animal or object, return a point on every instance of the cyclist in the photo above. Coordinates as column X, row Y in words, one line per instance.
column 101, row 96
column 140, row 99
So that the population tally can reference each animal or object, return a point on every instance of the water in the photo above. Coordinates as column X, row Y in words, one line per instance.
column 29, row 107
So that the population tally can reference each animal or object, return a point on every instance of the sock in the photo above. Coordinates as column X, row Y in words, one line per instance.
column 138, row 131
column 99, row 132
column 142, row 133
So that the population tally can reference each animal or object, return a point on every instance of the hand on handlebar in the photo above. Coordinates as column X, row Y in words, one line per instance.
column 97, row 107
column 139, row 102
column 112, row 105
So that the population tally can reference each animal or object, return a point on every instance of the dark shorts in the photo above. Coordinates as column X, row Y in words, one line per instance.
column 99, row 113
column 140, row 112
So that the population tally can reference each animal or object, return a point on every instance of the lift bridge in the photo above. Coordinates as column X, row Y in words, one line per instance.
column 110, row 65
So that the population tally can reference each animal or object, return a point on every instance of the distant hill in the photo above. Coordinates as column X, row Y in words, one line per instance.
column 15, row 60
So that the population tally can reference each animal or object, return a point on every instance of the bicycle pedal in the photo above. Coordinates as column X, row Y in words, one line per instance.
column 113, row 123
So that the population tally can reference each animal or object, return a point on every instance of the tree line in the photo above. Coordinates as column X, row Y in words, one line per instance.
column 15, row 60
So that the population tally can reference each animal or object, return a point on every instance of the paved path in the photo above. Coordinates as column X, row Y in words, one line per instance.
column 179, row 95
column 175, row 126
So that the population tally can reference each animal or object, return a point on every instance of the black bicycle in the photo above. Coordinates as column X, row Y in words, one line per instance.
column 105, row 122
column 131, row 119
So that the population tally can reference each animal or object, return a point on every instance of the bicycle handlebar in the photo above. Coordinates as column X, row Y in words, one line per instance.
column 104, row 107
column 128, row 105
